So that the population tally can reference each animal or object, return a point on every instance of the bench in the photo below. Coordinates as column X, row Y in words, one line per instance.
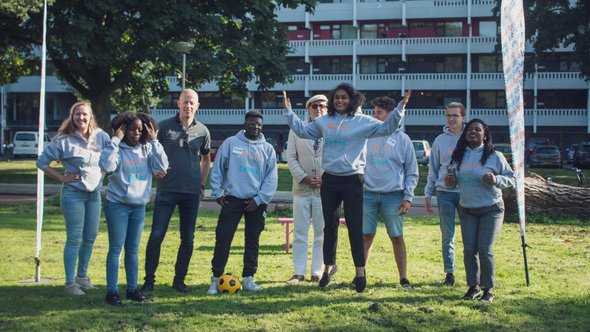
column 287, row 222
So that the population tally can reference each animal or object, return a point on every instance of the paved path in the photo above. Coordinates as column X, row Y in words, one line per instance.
column 26, row 193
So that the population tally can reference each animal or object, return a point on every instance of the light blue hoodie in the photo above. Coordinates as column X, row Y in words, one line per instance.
column 245, row 169
column 345, row 137
column 131, row 169
column 474, row 193
column 391, row 165
column 78, row 156
column 440, row 158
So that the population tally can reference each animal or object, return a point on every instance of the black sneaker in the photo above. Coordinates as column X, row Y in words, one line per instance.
column 113, row 299
column 147, row 286
column 180, row 286
column 487, row 296
column 136, row 296
column 449, row 279
column 325, row 279
column 405, row 283
column 472, row 293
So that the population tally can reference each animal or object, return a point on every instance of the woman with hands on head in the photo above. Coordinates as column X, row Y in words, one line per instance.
column 481, row 173
column 130, row 160
column 345, row 130
column 77, row 146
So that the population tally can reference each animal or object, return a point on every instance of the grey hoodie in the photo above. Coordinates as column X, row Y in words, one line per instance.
column 474, row 193
column 131, row 168
column 245, row 169
column 345, row 137
column 391, row 165
column 78, row 156
column 440, row 157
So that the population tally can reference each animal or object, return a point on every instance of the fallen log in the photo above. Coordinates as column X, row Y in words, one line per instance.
column 547, row 197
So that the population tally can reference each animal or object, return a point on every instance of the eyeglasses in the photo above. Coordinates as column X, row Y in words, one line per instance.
column 454, row 116
column 316, row 106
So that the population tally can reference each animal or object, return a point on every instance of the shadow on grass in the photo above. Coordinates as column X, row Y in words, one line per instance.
column 46, row 307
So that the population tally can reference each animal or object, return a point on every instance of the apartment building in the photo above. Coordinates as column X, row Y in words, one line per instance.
column 441, row 49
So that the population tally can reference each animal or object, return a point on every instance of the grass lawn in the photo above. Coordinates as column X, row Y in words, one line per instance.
column 557, row 300
column 24, row 171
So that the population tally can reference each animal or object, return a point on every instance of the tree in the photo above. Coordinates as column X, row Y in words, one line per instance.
column 551, row 23
column 116, row 53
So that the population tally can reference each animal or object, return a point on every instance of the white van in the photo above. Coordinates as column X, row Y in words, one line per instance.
column 26, row 143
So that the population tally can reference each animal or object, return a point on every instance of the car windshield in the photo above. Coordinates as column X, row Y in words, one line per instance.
column 503, row 148
column 546, row 151
column 418, row 145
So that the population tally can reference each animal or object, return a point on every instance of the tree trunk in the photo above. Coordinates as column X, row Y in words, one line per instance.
column 543, row 197
column 101, row 106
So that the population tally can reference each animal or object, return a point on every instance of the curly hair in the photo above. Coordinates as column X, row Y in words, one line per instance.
column 68, row 127
column 386, row 103
column 357, row 99
column 488, row 147
column 127, row 118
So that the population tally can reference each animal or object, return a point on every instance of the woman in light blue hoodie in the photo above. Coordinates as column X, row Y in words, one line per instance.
column 132, row 157
column 481, row 173
column 345, row 131
column 77, row 146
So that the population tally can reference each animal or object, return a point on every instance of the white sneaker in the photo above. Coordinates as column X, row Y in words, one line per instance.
column 73, row 289
column 84, row 282
column 213, row 288
column 248, row 284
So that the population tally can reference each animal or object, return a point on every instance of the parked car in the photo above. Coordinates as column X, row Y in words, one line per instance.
column 26, row 143
column 505, row 149
column 570, row 153
column 546, row 155
column 215, row 144
column 422, row 149
column 582, row 156
column 531, row 143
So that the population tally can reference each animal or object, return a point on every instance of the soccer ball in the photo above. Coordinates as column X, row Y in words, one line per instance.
column 228, row 283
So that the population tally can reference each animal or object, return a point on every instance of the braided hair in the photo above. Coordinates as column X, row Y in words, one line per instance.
column 488, row 148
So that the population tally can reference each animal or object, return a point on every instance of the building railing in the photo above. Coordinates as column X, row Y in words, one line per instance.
column 414, row 117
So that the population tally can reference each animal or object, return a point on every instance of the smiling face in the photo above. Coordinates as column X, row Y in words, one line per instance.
column 82, row 117
column 455, row 119
column 133, row 132
column 475, row 134
column 188, row 104
column 341, row 101
column 317, row 108
column 253, row 127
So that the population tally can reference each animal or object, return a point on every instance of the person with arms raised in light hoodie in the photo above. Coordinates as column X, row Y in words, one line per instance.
column 391, row 175
column 243, row 180
column 447, row 199
column 77, row 146
column 345, row 131
column 130, row 160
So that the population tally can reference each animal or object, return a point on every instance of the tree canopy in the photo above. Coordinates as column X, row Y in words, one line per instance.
column 551, row 23
column 117, row 53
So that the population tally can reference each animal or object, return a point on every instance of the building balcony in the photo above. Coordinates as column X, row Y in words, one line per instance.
column 414, row 117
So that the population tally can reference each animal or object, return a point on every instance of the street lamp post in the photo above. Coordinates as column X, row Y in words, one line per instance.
column 184, row 48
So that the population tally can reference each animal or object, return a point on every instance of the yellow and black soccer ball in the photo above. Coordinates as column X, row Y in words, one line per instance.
column 228, row 283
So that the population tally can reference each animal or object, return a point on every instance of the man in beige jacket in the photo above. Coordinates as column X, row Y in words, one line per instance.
column 304, row 158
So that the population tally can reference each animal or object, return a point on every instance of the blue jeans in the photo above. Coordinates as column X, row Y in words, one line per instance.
column 188, row 207
column 480, row 229
column 125, row 225
column 448, row 202
column 81, row 210
column 385, row 205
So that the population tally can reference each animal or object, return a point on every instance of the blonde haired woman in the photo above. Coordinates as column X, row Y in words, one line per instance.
column 77, row 146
